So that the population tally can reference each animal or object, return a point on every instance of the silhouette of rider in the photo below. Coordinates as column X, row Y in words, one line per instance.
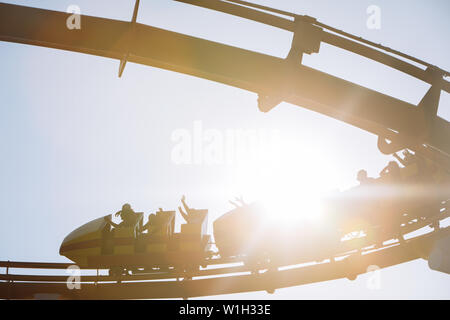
column 363, row 178
column 392, row 170
column 151, row 224
column 127, row 215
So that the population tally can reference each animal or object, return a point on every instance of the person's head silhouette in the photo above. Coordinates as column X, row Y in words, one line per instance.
column 362, row 175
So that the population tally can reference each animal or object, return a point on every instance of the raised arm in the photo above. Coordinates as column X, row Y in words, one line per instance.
column 234, row 204
column 240, row 199
column 109, row 221
column 186, row 207
column 183, row 214
column 239, row 202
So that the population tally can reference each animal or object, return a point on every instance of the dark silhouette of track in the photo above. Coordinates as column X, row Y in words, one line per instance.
column 145, row 286
column 274, row 80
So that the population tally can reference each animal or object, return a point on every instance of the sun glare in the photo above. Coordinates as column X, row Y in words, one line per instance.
column 288, row 179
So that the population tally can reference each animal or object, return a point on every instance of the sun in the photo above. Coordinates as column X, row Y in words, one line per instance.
column 288, row 178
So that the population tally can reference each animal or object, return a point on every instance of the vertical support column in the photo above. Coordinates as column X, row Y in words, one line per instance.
column 430, row 102
column 429, row 107
column 306, row 39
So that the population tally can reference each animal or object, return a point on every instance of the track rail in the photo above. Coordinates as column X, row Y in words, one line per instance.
column 148, row 286
column 279, row 79
column 416, row 127
column 222, row 275
column 337, row 38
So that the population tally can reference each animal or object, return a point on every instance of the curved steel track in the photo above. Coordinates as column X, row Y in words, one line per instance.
column 274, row 80
column 210, row 281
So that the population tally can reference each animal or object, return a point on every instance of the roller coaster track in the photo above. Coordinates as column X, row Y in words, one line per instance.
column 221, row 275
column 274, row 80
column 210, row 281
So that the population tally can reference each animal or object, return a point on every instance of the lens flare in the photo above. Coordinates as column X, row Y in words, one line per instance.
column 286, row 179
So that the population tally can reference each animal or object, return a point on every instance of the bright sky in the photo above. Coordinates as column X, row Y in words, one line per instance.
column 78, row 142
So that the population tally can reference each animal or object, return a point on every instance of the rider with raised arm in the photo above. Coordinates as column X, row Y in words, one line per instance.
column 191, row 215
column 363, row 178
column 127, row 215
column 186, row 215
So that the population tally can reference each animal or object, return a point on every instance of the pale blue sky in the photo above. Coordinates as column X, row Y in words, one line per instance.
column 77, row 142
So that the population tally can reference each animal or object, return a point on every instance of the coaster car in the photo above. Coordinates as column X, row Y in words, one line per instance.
column 98, row 245
column 389, row 202
column 246, row 232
